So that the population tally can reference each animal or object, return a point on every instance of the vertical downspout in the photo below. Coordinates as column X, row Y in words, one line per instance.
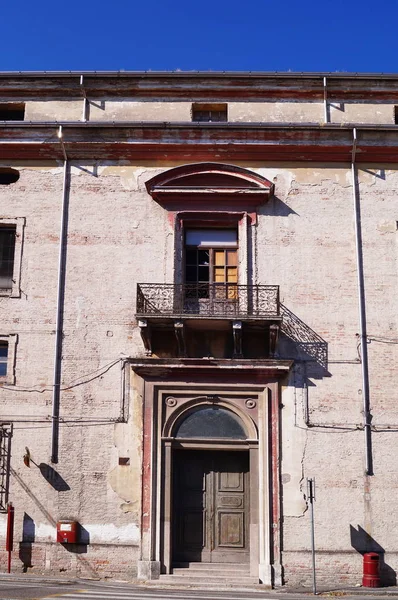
column 60, row 308
column 362, row 313
column 85, row 100
column 325, row 101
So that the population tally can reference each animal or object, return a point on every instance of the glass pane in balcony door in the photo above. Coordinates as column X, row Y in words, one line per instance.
column 231, row 258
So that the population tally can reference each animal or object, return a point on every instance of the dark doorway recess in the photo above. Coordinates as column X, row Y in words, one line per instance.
column 210, row 506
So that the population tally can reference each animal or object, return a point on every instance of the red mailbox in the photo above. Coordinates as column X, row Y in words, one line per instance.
column 371, row 570
column 67, row 532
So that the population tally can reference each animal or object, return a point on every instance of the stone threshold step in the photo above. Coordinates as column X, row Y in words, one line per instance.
column 210, row 573
column 202, row 566
column 193, row 580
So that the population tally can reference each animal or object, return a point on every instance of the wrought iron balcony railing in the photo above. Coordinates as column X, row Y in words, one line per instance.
column 224, row 300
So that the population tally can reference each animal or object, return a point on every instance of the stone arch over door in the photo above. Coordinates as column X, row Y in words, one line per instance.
column 185, row 408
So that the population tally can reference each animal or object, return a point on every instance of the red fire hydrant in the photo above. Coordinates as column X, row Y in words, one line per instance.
column 371, row 570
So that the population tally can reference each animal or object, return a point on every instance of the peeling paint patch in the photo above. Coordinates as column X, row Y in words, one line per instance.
column 108, row 533
column 341, row 176
column 129, row 507
column 387, row 226
column 45, row 532
column 124, row 481
column 3, row 526
column 128, row 175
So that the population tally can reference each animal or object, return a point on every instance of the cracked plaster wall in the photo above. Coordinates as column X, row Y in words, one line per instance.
column 119, row 236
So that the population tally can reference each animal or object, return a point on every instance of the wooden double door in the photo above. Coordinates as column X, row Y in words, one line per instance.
column 211, row 506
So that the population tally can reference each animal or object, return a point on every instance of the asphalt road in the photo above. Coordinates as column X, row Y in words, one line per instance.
column 35, row 589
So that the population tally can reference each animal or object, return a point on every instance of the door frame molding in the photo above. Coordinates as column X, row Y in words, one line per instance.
column 158, row 395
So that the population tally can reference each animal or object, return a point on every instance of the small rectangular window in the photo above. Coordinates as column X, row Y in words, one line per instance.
column 7, row 253
column 396, row 115
column 12, row 111
column 8, row 347
column 209, row 113
column 3, row 358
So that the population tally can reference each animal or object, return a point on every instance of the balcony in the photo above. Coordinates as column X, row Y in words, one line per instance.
column 207, row 300
column 229, row 313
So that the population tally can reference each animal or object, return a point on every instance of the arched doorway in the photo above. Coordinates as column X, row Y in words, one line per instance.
column 212, row 461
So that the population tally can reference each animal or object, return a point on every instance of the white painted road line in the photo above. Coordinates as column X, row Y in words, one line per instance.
column 162, row 594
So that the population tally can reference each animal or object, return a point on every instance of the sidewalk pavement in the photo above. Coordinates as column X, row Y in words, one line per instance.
column 285, row 591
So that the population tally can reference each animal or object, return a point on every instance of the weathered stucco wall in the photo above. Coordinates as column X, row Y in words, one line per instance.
column 53, row 110
column 118, row 236
column 354, row 112
column 125, row 109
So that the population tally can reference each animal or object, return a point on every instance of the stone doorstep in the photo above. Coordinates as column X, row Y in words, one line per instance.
column 221, row 567
column 202, row 574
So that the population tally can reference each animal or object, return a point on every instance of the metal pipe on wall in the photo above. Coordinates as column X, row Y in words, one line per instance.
column 85, row 99
column 325, row 101
column 362, row 313
column 60, row 309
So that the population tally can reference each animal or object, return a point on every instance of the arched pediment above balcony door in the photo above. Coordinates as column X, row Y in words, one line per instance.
column 210, row 186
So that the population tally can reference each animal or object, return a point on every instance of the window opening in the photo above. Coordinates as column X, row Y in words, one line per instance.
column 5, row 454
column 3, row 358
column 209, row 113
column 396, row 115
column 7, row 253
column 211, row 263
column 211, row 422
column 8, row 176
column 12, row 111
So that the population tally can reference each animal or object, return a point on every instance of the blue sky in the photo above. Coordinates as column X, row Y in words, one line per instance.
column 248, row 35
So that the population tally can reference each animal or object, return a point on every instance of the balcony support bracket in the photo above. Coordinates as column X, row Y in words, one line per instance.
column 179, row 330
column 146, row 335
column 273, row 339
column 237, row 336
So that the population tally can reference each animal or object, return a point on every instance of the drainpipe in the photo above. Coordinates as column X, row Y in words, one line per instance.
column 60, row 308
column 362, row 313
column 325, row 101
column 85, row 99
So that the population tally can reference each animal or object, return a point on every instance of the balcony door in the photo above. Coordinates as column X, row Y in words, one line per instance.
column 211, row 269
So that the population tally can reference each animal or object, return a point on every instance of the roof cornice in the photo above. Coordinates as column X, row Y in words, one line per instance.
column 197, row 86
column 190, row 142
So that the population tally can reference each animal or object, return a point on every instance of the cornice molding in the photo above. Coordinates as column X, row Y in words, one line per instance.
column 188, row 142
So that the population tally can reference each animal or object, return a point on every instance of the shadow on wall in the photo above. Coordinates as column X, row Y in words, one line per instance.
column 363, row 542
column 26, row 552
column 276, row 208
column 53, row 478
column 300, row 342
column 83, row 540
column 28, row 538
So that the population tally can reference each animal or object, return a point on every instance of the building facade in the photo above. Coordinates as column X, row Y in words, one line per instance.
column 199, row 314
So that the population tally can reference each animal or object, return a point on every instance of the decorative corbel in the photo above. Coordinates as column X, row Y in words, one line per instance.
column 237, row 335
column 179, row 330
column 273, row 338
column 146, row 335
